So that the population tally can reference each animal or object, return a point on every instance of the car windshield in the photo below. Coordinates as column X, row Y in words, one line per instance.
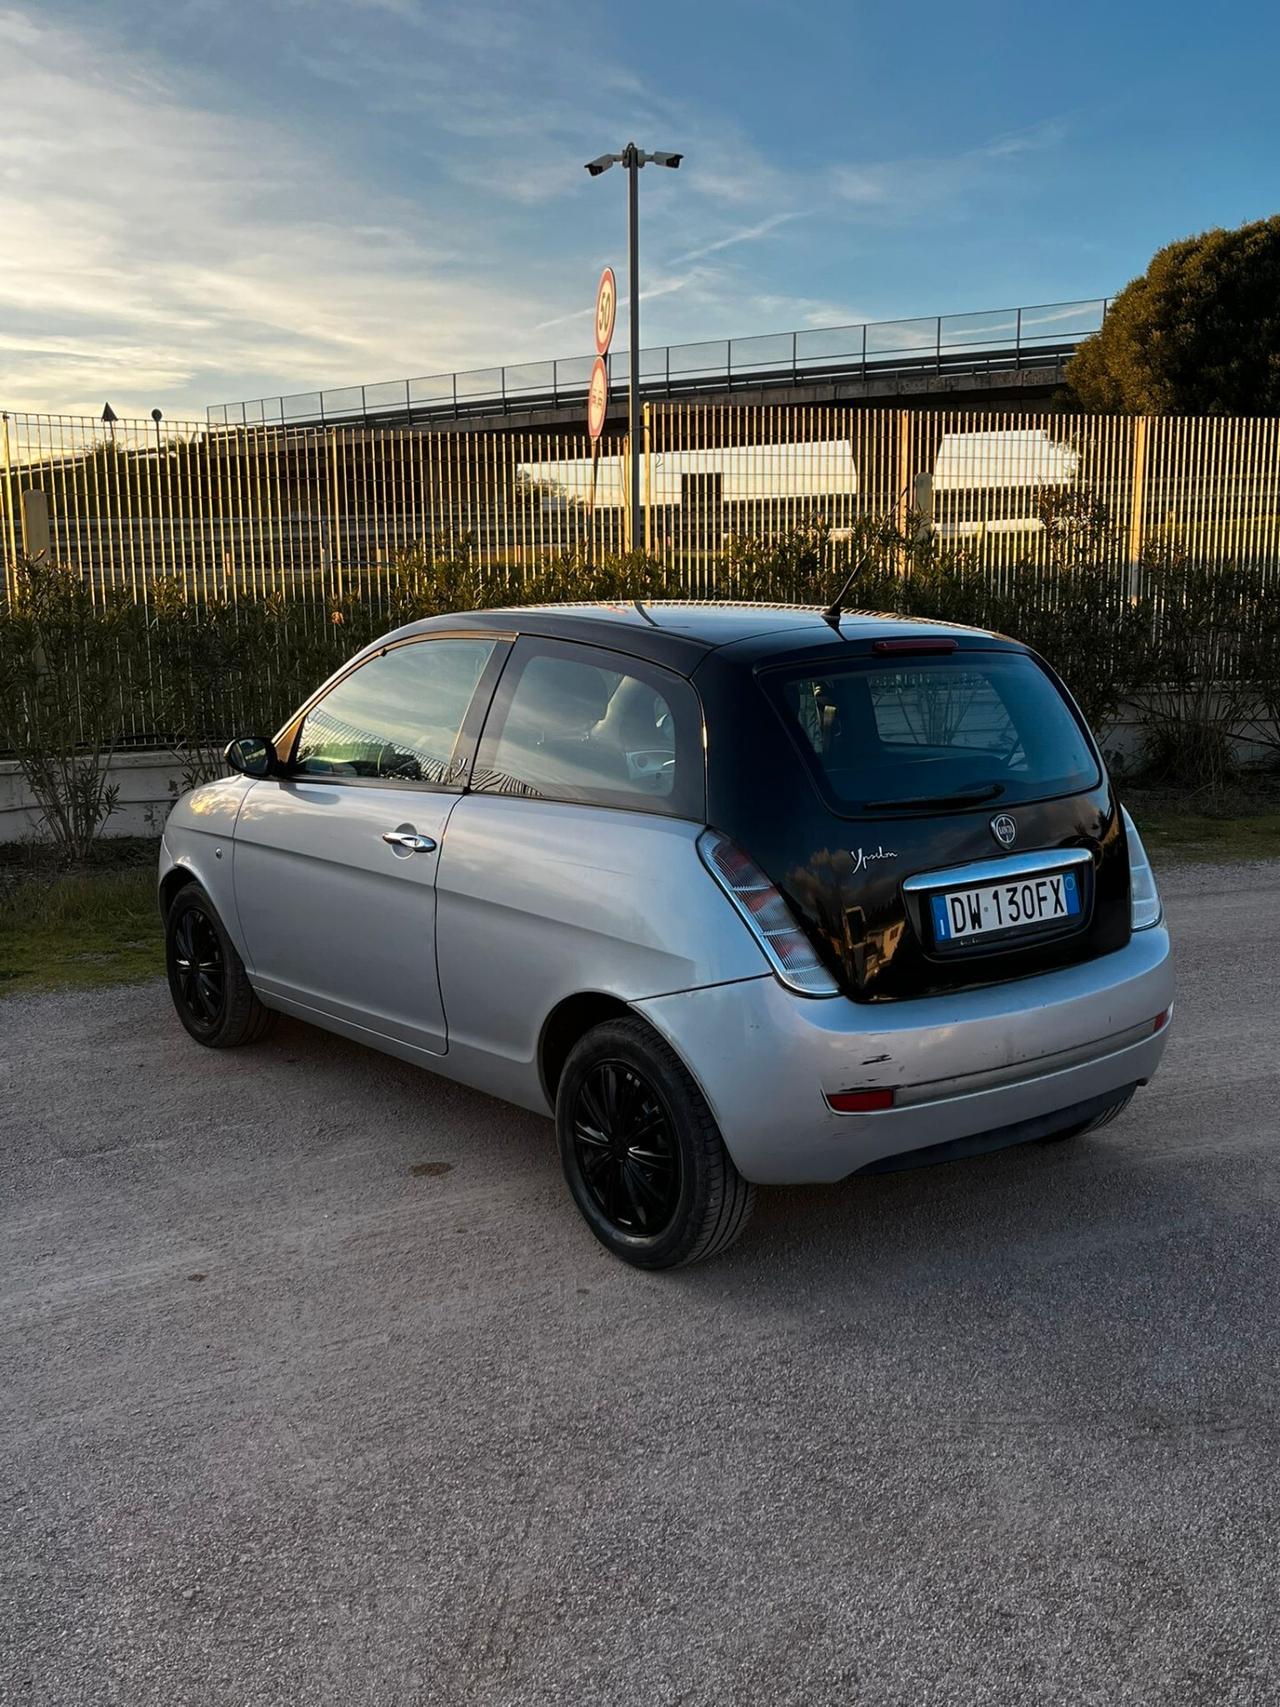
column 961, row 729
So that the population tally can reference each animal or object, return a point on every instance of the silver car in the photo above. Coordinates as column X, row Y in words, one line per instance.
column 741, row 894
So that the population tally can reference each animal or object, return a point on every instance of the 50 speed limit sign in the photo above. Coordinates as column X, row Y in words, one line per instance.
column 606, row 310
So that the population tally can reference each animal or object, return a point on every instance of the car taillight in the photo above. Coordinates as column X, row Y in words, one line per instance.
column 767, row 916
column 858, row 1102
column 1145, row 909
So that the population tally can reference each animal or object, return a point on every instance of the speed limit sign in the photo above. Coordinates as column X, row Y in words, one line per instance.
column 606, row 310
column 597, row 397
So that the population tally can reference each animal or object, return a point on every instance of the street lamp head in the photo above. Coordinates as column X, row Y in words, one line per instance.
column 600, row 164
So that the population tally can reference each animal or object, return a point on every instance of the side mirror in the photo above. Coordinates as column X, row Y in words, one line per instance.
column 253, row 755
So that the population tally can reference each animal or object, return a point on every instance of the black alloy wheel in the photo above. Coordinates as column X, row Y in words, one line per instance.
column 199, row 971
column 625, row 1149
column 207, row 980
column 641, row 1151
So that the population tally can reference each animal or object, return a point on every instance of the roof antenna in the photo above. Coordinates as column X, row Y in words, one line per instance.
column 834, row 610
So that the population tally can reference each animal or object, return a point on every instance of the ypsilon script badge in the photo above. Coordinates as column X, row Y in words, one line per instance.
column 862, row 859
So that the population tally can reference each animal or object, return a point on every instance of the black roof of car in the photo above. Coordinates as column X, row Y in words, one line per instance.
column 681, row 632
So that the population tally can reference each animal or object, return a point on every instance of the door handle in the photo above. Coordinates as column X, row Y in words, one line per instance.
column 410, row 842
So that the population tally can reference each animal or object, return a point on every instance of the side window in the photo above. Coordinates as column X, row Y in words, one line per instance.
column 397, row 717
column 581, row 724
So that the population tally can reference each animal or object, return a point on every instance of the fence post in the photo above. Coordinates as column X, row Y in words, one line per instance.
column 648, row 505
column 36, row 541
column 335, row 525
column 9, row 536
column 1137, row 504
column 906, row 481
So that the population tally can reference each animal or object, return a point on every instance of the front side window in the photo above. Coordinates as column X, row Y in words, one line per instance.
column 966, row 727
column 581, row 724
column 397, row 717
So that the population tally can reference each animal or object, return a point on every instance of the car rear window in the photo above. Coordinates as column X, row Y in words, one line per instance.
column 958, row 729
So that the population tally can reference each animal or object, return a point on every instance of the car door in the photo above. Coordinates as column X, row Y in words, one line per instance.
column 571, row 863
column 334, row 863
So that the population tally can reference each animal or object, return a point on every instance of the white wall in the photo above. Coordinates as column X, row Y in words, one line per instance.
column 145, row 797
column 144, row 780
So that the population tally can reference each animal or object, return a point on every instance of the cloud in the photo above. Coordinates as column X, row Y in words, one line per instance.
column 747, row 234
column 904, row 189
column 399, row 193
column 164, row 243
column 156, row 242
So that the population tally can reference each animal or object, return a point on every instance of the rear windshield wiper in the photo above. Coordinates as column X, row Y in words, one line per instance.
column 938, row 802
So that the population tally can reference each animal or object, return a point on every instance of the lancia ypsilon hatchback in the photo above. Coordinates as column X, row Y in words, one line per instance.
column 742, row 894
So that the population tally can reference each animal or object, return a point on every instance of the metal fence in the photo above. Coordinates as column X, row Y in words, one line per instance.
column 1209, row 488
column 1044, row 334
column 233, row 512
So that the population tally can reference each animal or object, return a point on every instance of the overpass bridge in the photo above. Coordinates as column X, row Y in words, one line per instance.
column 1012, row 357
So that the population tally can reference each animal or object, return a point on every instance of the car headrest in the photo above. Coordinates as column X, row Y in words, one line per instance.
column 559, row 697
column 631, row 721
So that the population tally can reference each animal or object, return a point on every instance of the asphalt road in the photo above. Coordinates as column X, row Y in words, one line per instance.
column 313, row 1388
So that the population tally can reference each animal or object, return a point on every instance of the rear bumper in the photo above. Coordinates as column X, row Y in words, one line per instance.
column 958, row 1065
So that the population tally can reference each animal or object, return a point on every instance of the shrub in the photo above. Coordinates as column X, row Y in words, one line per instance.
column 61, row 707
column 1201, row 695
column 223, row 669
column 1196, row 648
column 1078, row 610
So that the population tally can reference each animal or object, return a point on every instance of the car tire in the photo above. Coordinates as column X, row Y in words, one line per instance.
column 1105, row 1118
column 207, row 979
column 644, row 1160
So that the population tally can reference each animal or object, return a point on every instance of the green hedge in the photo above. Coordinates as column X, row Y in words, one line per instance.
column 1196, row 648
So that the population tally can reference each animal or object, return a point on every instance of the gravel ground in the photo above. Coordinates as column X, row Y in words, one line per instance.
column 315, row 1389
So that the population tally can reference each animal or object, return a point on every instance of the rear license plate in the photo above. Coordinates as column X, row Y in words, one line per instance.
column 962, row 915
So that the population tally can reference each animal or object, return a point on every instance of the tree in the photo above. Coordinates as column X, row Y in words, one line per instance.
column 1197, row 334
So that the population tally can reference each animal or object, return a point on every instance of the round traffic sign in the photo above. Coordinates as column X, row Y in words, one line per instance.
column 606, row 310
column 597, row 397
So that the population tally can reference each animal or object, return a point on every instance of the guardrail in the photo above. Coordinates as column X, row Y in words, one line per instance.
column 1044, row 334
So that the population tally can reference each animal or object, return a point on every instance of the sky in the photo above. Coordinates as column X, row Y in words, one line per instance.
column 211, row 200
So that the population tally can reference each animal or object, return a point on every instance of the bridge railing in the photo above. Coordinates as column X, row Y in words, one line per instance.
column 1000, row 337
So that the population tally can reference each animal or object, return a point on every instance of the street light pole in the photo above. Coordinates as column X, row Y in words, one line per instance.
column 633, row 158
